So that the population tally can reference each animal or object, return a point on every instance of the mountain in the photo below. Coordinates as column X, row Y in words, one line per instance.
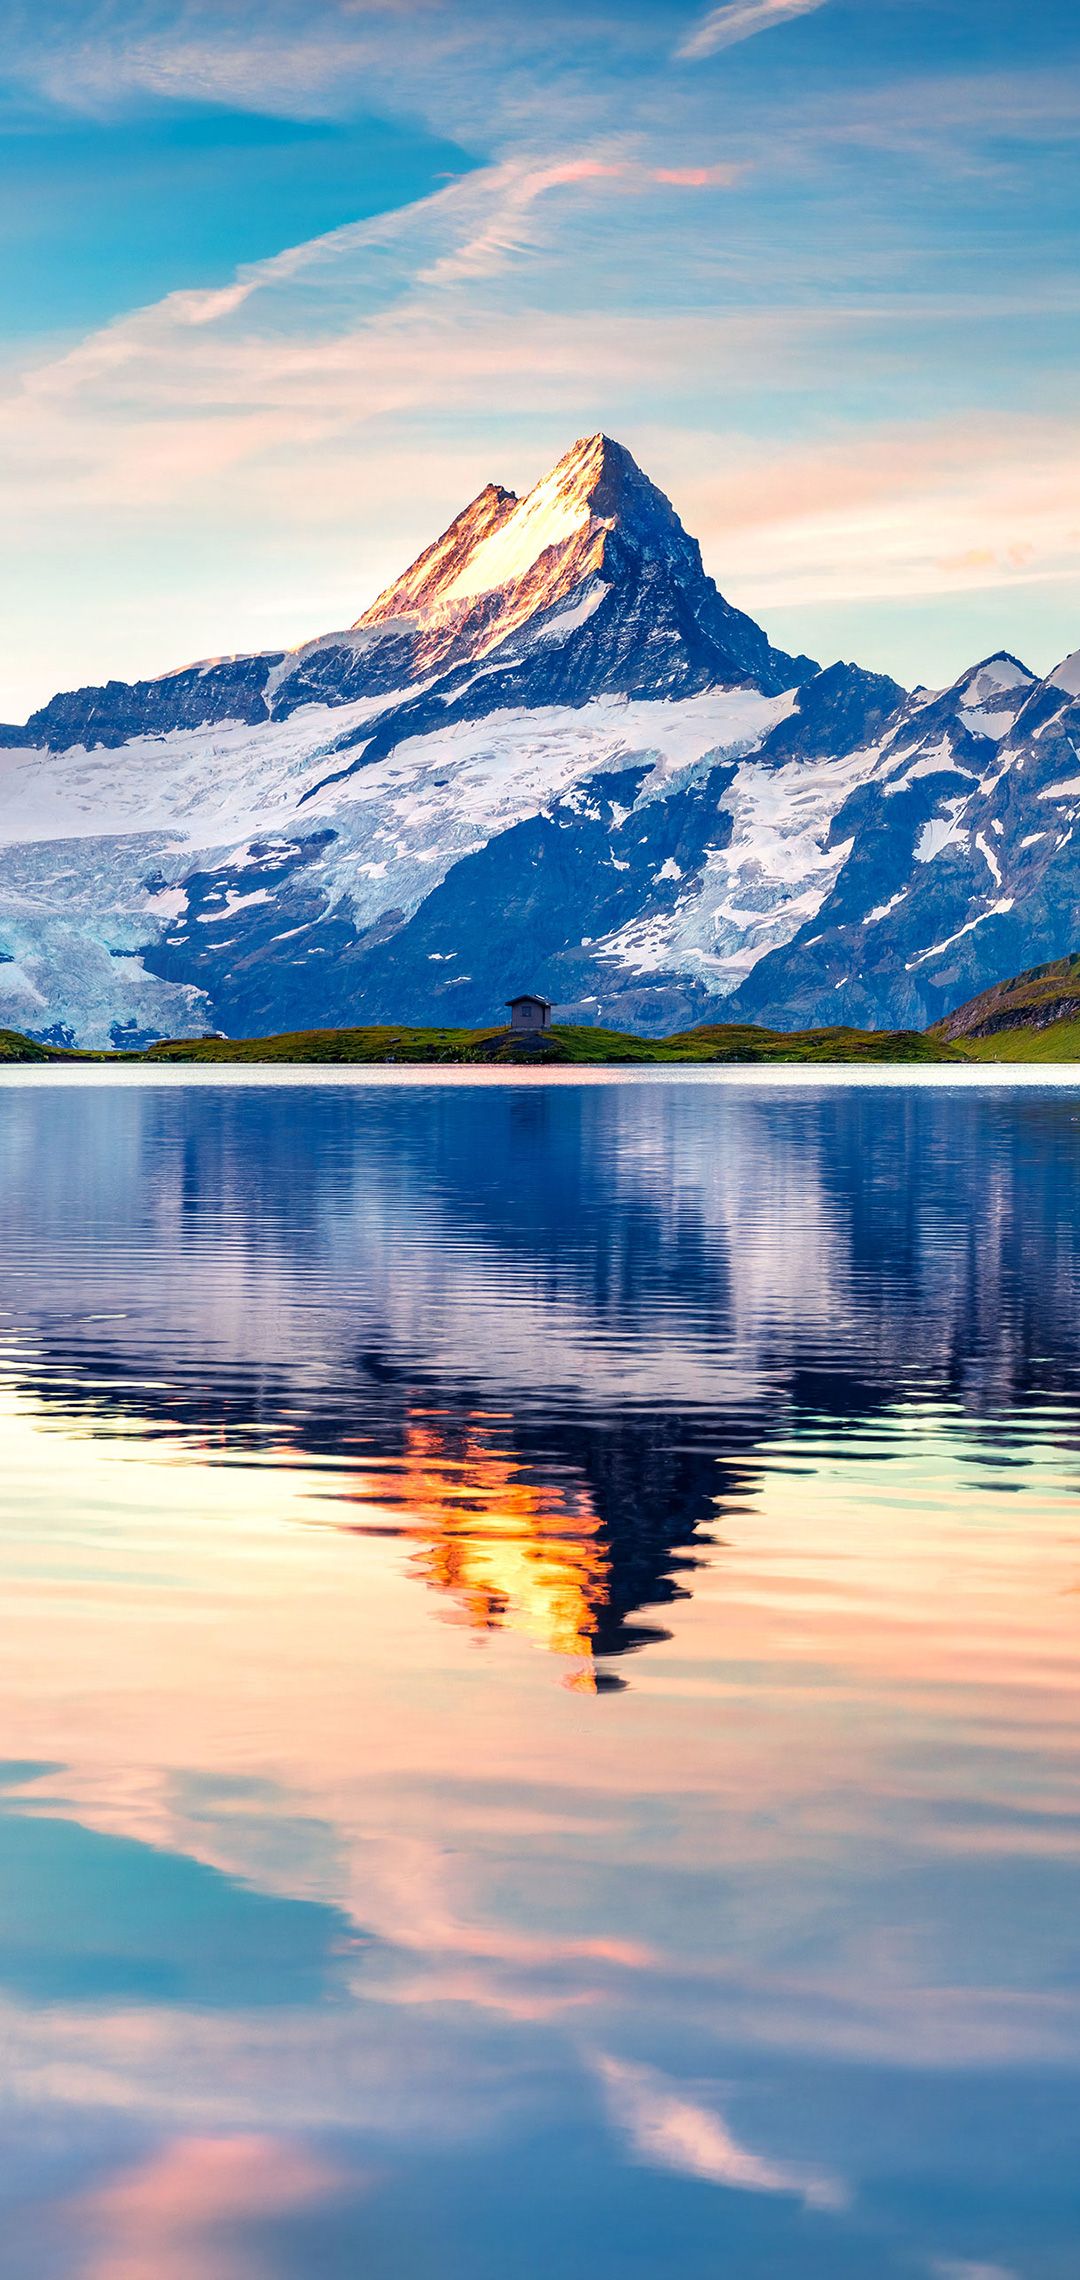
column 961, row 863
column 550, row 755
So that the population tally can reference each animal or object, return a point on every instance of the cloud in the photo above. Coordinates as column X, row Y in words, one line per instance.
column 310, row 63
column 899, row 511
column 506, row 230
column 509, row 229
column 698, row 177
column 183, row 2212
column 739, row 20
column 668, row 2131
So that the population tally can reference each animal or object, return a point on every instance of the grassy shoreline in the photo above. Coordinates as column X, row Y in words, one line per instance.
column 734, row 1044
column 561, row 1047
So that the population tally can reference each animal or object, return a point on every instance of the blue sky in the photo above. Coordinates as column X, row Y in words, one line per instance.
column 285, row 285
column 104, row 213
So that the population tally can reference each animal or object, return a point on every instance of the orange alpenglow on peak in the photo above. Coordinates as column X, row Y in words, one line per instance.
column 427, row 580
column 497, row 540
column 504, row 559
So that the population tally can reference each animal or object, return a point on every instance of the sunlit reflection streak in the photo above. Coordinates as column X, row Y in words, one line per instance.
column 510, row 1552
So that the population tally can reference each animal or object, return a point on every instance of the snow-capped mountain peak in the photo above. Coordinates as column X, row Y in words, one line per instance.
column 994, row 676
column 506, row 561
column 588, row 586
column 988, row 697
column 500, row 541
column 552, row 740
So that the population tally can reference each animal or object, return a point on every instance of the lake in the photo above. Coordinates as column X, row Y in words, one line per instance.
column 540, row 1678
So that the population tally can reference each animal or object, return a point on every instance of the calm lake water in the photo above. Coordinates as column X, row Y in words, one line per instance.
column 540, row 1682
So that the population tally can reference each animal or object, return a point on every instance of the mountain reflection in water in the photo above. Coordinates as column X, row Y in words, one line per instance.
column 331, row 1943
column 538, row 1333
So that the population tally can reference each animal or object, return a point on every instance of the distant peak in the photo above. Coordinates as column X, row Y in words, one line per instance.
column 1066, row 676
column 1015, row 668
column 996, row 675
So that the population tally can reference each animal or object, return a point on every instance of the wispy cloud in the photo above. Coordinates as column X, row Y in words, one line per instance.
column 311, row 62
column 698, row 177
column 506, row 229
column 509, row 229
column 670, row 2131
column 739, row 20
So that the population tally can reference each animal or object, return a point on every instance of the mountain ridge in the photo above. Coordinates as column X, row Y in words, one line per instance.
column 1045, row 997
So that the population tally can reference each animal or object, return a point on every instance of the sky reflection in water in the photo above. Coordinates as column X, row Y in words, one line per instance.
column 539, row 1683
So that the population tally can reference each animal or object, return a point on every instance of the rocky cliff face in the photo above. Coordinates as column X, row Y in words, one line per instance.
column 550, row 755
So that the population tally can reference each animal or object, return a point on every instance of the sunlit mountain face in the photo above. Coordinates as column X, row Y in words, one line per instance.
column 538, row 1666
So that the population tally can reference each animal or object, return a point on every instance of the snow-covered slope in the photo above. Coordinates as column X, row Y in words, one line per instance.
column 964, row 862
column 551, row 755
column 237, row 876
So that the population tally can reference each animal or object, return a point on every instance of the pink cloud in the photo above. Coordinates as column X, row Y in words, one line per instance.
column 175, row 2217
column 697, row 177
column 485, row 1991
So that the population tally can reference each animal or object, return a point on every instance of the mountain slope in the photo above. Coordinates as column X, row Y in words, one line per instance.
column 963, row 860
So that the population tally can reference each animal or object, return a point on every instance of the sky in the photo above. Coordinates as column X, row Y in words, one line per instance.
column 286, row 282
